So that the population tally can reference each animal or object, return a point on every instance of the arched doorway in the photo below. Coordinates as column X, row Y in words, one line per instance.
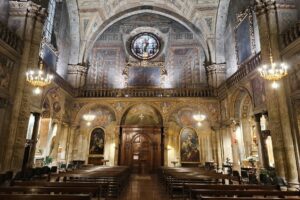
column 141, row 139
column 142, row 154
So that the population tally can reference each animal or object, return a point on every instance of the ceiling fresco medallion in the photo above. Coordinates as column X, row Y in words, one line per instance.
column 145, row 46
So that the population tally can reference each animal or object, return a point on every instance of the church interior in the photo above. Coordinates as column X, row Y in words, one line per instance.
column 149, row 99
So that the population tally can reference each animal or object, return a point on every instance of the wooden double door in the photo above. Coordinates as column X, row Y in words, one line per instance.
column 141, row 149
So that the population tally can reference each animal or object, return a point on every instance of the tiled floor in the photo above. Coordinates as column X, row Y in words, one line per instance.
column 144, row 188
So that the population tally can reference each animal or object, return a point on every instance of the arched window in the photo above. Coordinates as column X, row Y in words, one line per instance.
column 48, row 28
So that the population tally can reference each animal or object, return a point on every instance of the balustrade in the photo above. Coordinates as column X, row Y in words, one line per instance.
column 244, row 70
column 291, row 34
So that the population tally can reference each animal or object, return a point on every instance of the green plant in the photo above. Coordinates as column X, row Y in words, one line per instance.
column 47, row 160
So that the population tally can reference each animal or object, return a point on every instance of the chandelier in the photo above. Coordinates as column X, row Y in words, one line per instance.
column 199, row 117
column 38, row 78
column 89, row 118
column 273, row 71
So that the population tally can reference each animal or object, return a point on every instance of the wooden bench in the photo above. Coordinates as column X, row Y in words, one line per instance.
column 94, row 191
column 243, row 198
column 189, row 187
column 200, row 193
column 44, row 197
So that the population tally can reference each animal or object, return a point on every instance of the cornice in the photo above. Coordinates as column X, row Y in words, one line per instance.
column 27, row 8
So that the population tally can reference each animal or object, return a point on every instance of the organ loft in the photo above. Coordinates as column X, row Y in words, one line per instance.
column 149, row 99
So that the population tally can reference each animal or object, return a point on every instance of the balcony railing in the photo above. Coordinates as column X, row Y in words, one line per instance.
column 132, row 92
column 10, row 38
column 244, row 70
column 291, row 34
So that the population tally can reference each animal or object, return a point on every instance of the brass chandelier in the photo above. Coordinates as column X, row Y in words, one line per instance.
column 272, row 71
column 38, row 78
column 89, row 117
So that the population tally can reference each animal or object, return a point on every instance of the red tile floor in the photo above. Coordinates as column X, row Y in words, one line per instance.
column 144, row 187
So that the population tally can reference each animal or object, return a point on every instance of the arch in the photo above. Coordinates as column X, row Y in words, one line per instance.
column 148, row 116
column 193, row 108
column 86, row 48
column 97, row 107
column 240, row 96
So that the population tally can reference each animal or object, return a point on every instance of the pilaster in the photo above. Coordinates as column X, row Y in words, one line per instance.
column 278, row 113
column 216, row 74
column 26, row 19
column 77, row 75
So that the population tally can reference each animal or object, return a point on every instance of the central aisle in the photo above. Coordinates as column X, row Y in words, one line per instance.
column 145, row 187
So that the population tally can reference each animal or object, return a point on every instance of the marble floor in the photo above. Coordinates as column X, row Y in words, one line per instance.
column 146, row 187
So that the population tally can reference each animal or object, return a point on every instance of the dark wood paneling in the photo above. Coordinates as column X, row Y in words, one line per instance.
column 141, row 148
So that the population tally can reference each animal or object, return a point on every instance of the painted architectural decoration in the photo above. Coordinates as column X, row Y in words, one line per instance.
column 142, row 114
column 184, row 117
column 104, row 115
column 97, row 141
column 189, row 146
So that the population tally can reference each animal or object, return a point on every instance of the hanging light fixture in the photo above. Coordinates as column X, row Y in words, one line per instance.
column 38, row 78
column 199, row 117
column 273, row 71
column 89, row 117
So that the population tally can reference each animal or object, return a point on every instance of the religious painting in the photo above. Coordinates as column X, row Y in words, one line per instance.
column 189, row 146
column 244, row 36
column 258, row 88
column 97, row 141
column 144, row 77
column 145, row 46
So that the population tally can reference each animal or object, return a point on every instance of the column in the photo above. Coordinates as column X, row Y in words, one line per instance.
column 278, row 112
column 69, row 145
column 30, row 16
column 54, row 153
column 216, row 74
column 35, row 130
column 235, row 148
column 262, row 150
column 218, row 147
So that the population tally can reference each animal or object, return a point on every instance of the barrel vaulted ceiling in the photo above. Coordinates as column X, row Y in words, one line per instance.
column 90, row 18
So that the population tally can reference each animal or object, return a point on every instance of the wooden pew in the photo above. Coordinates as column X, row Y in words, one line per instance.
column 44, row 197
column 244, row 198
column 200, row 193
column 188, row 188
column 92, row 191
column 175, row 178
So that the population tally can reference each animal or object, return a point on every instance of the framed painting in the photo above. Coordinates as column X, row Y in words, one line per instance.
column 97, row 142
column 189, row 146
column 144, row 76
